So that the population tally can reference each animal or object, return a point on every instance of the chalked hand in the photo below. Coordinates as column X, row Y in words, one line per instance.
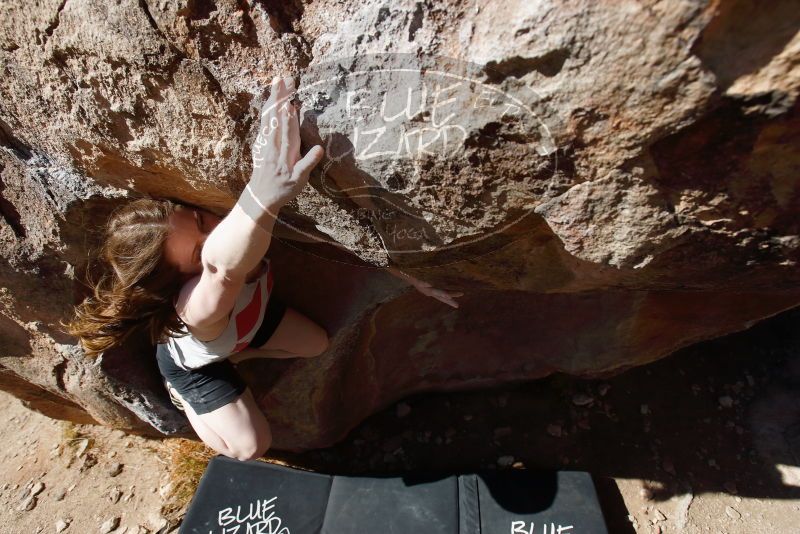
column 279, row 173
column 442, row 295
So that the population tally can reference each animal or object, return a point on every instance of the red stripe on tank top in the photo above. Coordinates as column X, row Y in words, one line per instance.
column 247, row 318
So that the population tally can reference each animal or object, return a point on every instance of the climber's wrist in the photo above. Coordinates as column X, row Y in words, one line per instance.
column 262, row 213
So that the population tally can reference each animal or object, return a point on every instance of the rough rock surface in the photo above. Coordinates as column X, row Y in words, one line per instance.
column 652, row 201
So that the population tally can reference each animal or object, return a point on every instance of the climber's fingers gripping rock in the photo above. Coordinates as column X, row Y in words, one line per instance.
column 279, row 174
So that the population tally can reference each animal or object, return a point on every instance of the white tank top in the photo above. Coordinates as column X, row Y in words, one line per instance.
column 188, row 352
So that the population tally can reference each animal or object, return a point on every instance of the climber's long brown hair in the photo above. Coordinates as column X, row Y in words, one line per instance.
column 136, row 286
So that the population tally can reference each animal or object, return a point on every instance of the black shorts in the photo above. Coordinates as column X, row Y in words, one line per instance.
column 214, row 385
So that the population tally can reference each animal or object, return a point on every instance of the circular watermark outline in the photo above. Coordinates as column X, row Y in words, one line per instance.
column 332, row 74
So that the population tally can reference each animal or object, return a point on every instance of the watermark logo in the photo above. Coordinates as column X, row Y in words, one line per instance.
column 433, row 153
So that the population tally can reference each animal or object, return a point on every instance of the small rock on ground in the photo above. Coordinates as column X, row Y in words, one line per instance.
column 733, row 513
column 28, row 504
column 109, row 525
column 115, row 469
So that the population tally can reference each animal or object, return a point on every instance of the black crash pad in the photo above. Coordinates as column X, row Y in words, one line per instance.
column 254, row 497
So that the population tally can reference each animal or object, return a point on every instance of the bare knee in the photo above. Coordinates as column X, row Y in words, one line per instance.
column 253, row 447
column 253, row 453
column 322, row 343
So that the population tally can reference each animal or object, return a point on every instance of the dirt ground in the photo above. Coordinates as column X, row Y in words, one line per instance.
column 707, row 440
column 77, row 478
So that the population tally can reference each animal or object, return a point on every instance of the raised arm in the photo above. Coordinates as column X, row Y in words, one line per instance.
column 241, row 239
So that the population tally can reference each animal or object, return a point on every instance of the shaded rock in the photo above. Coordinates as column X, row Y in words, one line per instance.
column 502, row 432
column 27, row 504
column 582, row 399
column 403, row 409
column 505, row 461
column 668, row 466
column 554, row 430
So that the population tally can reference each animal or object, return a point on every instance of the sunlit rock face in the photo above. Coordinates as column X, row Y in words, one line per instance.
column 605, row 181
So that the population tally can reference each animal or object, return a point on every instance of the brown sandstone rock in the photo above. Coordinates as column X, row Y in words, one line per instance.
column 651, row 202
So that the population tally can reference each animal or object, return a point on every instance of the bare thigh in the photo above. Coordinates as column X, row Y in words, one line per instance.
column 237, row 429
column 298, row 334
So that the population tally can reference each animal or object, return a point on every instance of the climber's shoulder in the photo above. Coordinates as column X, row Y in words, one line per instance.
column 205, row 302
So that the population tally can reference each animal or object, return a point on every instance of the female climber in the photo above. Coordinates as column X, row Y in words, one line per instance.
column 201, row 288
